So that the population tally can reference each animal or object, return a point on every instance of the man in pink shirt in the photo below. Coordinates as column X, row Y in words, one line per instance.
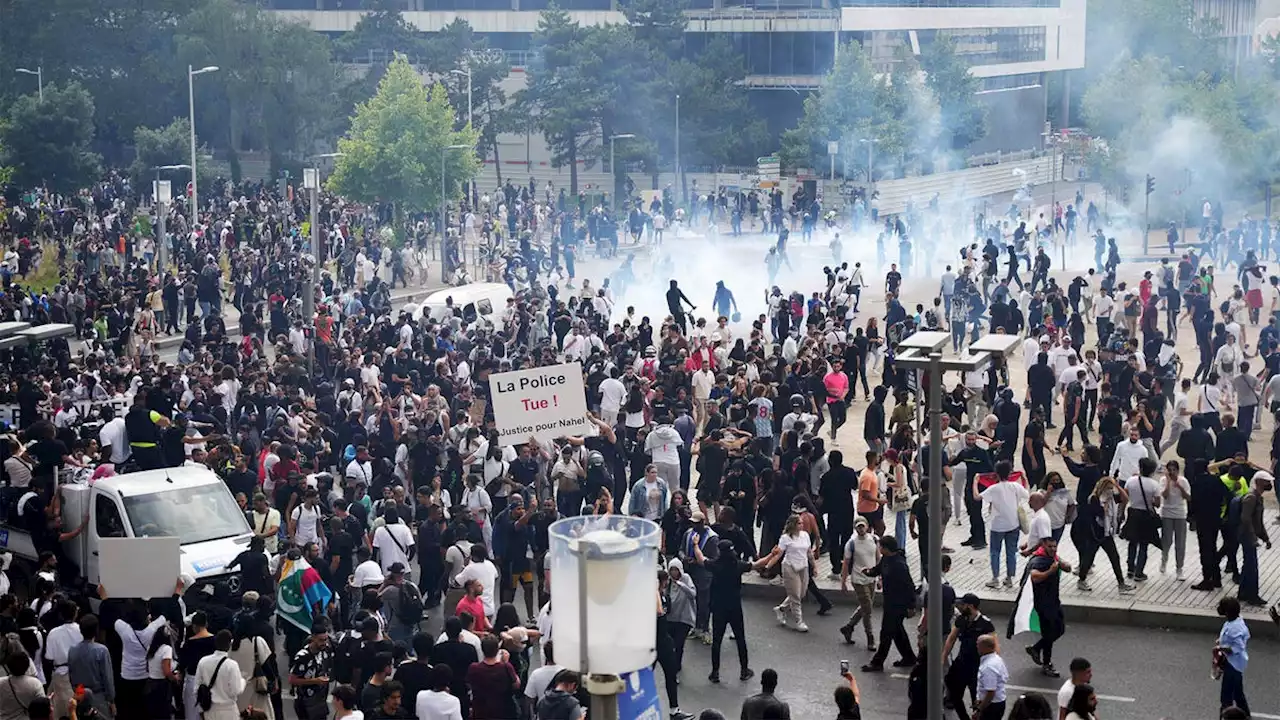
column 837, row 384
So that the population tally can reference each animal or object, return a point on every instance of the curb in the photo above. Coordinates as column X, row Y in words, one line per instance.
column 1135, row 613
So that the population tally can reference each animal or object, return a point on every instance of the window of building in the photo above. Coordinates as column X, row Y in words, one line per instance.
column 952, row 3
column 1011, row 82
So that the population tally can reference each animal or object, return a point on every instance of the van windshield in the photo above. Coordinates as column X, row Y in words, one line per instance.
column 193, row 514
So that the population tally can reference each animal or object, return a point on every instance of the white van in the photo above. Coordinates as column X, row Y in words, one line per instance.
column 484, row 301
column 190, row 503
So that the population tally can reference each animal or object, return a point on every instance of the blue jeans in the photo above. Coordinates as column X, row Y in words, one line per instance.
column 1249, row 571
column 1010, row 541
column 1137, row 557
column 900, row 529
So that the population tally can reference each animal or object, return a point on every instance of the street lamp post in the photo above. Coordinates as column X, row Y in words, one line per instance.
column 311, row 182
column 613, row 167
column 163, row 194
column 605, row 576
column 444, row 266
column 191, row 107
column 871, row 173
column 923, row 351
column 39, row 73
column 679, row 185
column 467, row 73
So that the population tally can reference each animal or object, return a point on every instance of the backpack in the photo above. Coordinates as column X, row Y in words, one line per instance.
column 204, row 693
column 411, row 609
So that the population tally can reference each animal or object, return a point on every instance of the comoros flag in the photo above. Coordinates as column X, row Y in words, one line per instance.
column 300, row 589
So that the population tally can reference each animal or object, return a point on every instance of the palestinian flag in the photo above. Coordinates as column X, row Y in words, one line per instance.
column 1024, row 618
column 300, row 589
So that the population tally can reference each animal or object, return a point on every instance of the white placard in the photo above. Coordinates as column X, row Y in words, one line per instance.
column 545, row 402
column 144, row 567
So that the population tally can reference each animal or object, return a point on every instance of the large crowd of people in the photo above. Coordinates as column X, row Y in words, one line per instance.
column 361, row 441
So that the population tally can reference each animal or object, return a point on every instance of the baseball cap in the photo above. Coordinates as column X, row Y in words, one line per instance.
column 860, row 521
column 697, row 516
column 396, row 568
column 969, row 599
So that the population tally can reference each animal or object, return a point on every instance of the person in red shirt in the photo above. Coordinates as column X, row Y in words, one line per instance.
column 837, row 385
column 472, row 603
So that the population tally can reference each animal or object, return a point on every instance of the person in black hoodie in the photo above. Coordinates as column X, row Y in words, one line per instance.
column 874, row 421
column 726, row 607
column 899, row 604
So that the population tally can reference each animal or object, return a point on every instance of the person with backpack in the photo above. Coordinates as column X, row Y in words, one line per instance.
column 218, row 682
column 402, row 603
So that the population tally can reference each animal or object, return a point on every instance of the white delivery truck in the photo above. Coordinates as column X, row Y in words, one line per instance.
column 190, row 503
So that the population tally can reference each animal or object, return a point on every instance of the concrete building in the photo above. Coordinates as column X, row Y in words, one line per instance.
column 788, row 45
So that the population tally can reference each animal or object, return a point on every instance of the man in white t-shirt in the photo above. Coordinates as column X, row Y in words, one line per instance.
column 1041, row 525
column 482, row 570
column 306, row 520
column 1081, row 674
column 393, row 541
column 1005, row 497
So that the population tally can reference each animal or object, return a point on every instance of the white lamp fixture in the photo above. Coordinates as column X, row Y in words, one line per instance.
column 310, row 179
column 163, row 192
column 604, row 588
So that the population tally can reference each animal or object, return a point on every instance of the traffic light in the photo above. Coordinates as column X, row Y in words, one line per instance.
column 1151, row 184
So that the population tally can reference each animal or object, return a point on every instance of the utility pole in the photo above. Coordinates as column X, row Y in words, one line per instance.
column 1146, row 213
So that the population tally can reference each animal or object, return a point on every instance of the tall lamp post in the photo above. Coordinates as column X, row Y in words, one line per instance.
column 39, row 73
column 923, row 352
column 605, row 586
column 467, row 73
column 444, row 226
column 679, row 185
column 871, row 164
column 311, row 182
column 191, row 108
column 163, row 193
column 613, row 168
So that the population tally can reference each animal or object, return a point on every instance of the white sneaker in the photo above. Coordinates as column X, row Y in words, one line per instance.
column 777, row 613
column 802, row 628
column 993, row 584
column 1181, row 577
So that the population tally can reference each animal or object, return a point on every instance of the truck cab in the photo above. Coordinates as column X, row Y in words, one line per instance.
column 190, row 503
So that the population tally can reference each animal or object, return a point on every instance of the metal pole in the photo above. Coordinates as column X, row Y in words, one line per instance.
column 444, row 275
column 1146, row 214
column 470, row 116
column 613, row 170
column 309, row 294
column 40, row 82
column 677, row 141
column 191, row 108
column 936, row 634
column 161, row 240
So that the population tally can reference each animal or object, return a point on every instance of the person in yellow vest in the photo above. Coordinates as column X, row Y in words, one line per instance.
column 1235, row 474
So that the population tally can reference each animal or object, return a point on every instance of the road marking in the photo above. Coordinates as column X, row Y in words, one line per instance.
column 1053, row 692
column 1265, row 716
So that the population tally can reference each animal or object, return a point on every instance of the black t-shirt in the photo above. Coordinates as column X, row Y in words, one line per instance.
column 1045, row 592
column 48, row 455
column 968, row 631
column 341, row 546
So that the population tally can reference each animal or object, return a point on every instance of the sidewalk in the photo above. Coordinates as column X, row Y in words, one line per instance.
column 231, row 316
column 1161, row 601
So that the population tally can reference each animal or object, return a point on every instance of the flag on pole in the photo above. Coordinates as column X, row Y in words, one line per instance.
column 300, row 589
column 1025, row 618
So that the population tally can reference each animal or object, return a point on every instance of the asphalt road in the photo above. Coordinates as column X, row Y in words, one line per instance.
column 1139, row 673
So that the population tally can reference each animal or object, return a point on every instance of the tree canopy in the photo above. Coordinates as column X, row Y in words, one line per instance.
column 50, row 142
column 397, row 142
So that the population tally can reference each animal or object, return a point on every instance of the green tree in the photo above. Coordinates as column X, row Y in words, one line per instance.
column 717, row 124
column 853, row 104
column 277, row 85
column 452, row 52
column 962, row 117
column 562, row 96
column 50, row 143
column 394, row 149
column 168, row 145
